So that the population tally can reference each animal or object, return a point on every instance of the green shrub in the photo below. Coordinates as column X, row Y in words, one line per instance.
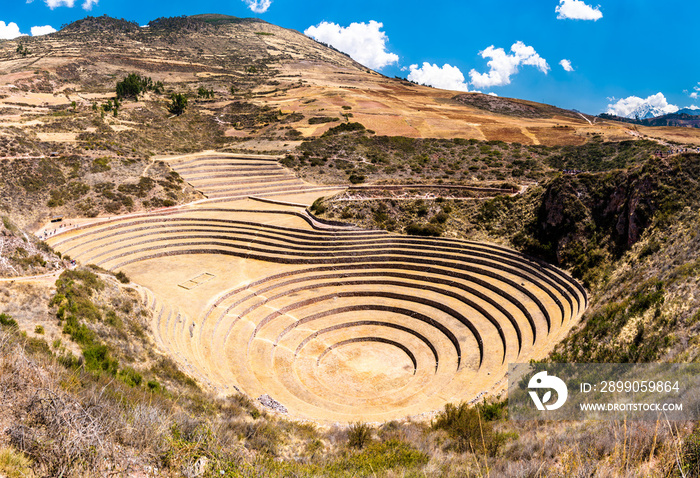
column 178, row 104
column 344, row 128
column 416, row 229
column 39, row 329
column 79, row 333
column 130, row 377
column 263, row 436
column 359, row 435
column 7, row 321
column 97, row 359
column 114, row 320
column 469, row 430
column 153, row 386
column 318, row 207
column 122, row 277
column 440, row 218
column 202, row 92
column 323, row 119
column 101, row 165
column 133, row 85
column 356, row 178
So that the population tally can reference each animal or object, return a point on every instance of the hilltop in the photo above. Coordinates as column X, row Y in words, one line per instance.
column 271, row 87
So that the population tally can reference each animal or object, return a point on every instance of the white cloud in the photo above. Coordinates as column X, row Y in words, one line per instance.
column 364, row 42
column 566, row 64
column 503, row 66
column 87, row 4
column 692, row 107
column 577, row 10
column 9, row 31
column 695, row 94
column 45, row 30
column 59, row 3
column 258, row 6
column 630, row 105
column 446, row 77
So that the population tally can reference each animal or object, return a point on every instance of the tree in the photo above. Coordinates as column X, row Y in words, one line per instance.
column 131, row 86
column 178, row 104
column 22, row 50
column 202, row 92
column 134, row 84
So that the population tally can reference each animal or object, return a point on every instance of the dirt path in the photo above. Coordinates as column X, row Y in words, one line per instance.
column 32, row 278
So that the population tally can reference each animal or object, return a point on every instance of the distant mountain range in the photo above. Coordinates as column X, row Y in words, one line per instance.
column 688, row 111
column 649, row 116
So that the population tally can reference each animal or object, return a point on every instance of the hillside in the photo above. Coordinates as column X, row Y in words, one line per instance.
column 229, row 250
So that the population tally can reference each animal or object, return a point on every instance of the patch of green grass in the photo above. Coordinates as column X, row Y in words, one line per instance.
column 98, row 359
column 14, row 464
column 377, row 458
column 8, row 321
column 101, row 165
column 470, row 431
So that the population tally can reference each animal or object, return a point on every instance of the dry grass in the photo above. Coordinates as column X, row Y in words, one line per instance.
column 67, row 423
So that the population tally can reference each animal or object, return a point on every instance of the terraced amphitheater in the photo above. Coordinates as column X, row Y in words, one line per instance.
column 333, row 322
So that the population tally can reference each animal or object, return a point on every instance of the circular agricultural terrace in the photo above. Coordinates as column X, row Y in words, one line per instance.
column 332, row 322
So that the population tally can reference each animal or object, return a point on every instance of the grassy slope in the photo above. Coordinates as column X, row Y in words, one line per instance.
column 72, row 422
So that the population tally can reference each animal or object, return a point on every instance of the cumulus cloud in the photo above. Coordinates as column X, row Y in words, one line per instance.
column 566, row 64
column 696, row 93
column 258, row 6
column 447, row 77
column 364, row 42
column 502, row 66
column 59, row 3
column 88, row 4
column 577, row 10
column 630, row 105
column 9, row 31
column 45, row 30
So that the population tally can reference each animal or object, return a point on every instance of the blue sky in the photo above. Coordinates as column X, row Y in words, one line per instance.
column 629, row 50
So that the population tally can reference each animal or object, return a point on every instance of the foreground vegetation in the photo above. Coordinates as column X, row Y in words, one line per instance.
column 68, row 421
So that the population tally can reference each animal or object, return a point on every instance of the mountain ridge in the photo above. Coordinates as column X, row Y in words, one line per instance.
column 275, row 68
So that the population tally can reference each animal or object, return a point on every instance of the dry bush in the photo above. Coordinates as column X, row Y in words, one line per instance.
column 62, row 436
column 359, row 435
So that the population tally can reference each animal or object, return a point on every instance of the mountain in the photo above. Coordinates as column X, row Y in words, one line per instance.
column 255, row 69
column 689, row 111
column 680, row 120
column 646, row 111
column 676, row 120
